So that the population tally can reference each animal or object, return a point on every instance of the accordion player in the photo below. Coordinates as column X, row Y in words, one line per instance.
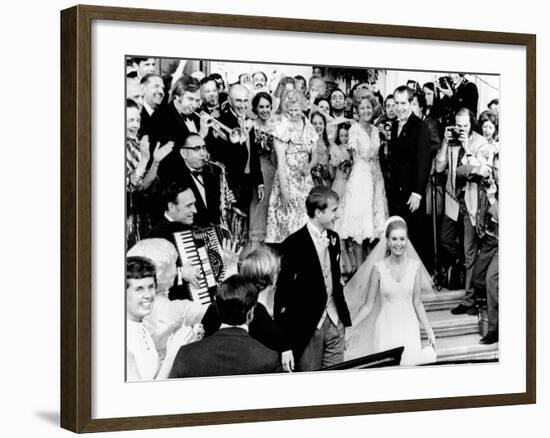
column 202, row 248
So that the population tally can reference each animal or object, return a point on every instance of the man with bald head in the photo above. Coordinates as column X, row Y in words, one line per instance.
column 239, row 156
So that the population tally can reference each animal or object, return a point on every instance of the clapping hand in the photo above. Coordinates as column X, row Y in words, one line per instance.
column 144, row 149
column 161, row 152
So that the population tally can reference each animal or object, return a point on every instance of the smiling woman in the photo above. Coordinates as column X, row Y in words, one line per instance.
column 395, row 277
column 142, row 359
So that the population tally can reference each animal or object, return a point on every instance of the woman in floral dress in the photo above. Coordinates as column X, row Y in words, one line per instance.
column 295, row 141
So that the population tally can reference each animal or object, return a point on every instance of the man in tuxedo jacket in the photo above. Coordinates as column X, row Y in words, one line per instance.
column 230, row 350
column 410, row 163
column 241, row 159
column 176, row 120
column 188, row 167
column 309, row 300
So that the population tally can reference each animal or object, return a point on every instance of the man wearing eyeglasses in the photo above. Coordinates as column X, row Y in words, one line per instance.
column 188, row 167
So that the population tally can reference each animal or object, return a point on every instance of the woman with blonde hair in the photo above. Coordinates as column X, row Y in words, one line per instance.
column 295, row 143
column 364, row 207
column 387, row 293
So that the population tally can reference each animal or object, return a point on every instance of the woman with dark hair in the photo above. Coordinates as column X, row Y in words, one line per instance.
column 433, row 104
column 295, row 141
column 320, row 173
column 261, row 137
column 300, row 83
column 388, row 287
column 364, row 206
column 321, row 105
column 488, row 122
column 340, row 159
column 340, row 167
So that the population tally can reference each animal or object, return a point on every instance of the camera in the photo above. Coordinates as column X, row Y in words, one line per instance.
column 489, row 181
column 455, row 136
column 444, row 82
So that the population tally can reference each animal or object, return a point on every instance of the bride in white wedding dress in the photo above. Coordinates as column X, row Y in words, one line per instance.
column 384, row 297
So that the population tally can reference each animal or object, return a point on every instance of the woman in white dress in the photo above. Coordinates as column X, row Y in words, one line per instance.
column 156, row 326
column 393, row 278
column 364, row 207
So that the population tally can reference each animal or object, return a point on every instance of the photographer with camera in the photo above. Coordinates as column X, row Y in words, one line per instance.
column 485, row 275
column 458, row 92
column 467, row 157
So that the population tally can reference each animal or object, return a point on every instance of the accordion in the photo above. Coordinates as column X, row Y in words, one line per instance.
column 203, row 249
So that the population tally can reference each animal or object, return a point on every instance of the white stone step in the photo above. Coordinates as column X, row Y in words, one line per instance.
column 445, row 324
column 465, row 347
column 444, row 299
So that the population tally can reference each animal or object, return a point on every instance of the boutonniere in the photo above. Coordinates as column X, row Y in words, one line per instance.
column 332, row 241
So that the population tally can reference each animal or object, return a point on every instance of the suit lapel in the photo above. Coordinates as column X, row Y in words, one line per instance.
column 410, row 121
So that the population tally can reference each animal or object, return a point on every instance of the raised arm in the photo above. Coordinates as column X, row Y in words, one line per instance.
column 441, row 157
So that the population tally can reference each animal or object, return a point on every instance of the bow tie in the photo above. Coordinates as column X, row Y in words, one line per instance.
column 196, row 173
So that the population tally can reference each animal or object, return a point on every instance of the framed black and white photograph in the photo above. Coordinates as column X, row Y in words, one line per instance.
column 286, row 213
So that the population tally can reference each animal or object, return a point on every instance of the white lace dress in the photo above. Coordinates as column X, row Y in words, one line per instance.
column 364, row 207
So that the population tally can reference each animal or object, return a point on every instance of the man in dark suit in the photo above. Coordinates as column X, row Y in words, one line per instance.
column 176, row 120
column 230, row 350
column 153, row 93
column 210, row 96
column 187, row 167
column 410, row 162
column 241, row 159
column 309, row 300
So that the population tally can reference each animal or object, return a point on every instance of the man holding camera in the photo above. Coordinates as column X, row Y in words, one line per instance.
column 485, row 276
column 458, row 92
column 467, row 156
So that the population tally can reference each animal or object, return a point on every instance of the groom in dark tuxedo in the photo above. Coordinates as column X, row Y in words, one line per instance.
column 309, row 301
column 410, row 162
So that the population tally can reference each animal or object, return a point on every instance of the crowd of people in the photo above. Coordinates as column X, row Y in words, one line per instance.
column 389, row 194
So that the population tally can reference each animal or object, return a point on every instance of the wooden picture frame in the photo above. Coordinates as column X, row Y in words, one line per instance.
column 76, row 217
